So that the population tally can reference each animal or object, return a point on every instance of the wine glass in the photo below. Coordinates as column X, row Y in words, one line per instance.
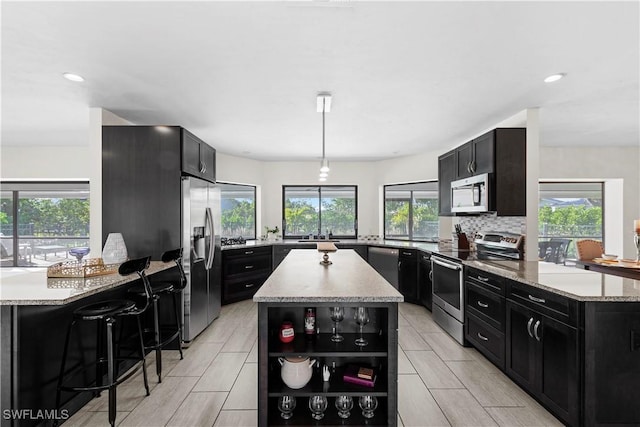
column 318, row 404
column 344, row 404
column 368, row 404
column 286, row 405
column 362, row 318
column 636, row 240
column 337, row 314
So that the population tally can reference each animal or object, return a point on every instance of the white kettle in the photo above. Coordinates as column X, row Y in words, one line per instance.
column 296, row 371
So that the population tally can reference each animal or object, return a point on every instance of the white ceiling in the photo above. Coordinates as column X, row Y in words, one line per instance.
column 405, row 77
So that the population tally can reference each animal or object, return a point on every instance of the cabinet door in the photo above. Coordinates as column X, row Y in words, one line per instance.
column 208, row 160
column 483, row 154
column 408, row 277
column 190, row 153
column 464, row 159
column 425, row 288
column 521, row 346
column 446, row 174
column 559, row 362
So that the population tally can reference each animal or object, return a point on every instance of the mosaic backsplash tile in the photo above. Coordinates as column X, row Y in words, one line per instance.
column 492, row 222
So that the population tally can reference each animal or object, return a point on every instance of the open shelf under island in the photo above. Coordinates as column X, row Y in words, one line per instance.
column 299, row 282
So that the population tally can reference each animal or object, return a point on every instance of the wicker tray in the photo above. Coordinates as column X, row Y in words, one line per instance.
column 89, row 268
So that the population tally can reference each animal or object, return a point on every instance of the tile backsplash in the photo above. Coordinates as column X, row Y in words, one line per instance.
column 491, row 222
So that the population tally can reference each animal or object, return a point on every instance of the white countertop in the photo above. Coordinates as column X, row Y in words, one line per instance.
column 30, row 286
column 301, row 278
column 572, row 282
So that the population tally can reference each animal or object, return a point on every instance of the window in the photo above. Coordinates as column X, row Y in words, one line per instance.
column 319, row 210
column 40, row 222
column 570, row 210
column 238, row 203
column 411, row 211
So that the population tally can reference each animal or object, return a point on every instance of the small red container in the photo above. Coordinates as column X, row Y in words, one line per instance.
column 286, row 332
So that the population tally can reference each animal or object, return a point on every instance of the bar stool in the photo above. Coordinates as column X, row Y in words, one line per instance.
column 106, row 314
column 159, row 288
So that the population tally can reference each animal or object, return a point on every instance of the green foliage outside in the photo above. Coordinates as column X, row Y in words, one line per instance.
column 570, row 221
column 425, row 218
column 338, row 216
column 238, row 218
column 53, row 217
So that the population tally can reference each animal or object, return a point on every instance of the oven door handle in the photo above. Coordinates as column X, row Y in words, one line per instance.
column 448, row 265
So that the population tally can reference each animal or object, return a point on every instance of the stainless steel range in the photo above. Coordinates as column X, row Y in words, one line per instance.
column 448, row 276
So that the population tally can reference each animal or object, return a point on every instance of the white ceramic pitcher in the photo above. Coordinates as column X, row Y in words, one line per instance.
column 296, row 371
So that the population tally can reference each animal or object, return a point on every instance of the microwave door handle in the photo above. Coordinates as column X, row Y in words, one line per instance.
column 446, row 264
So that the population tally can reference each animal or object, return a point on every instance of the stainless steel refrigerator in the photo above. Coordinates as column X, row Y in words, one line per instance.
column 202, row 257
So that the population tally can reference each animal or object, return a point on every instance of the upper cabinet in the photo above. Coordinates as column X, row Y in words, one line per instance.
column 500, row 153
column 198, row 158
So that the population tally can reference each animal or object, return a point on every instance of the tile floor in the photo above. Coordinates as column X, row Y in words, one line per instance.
column 440, row 382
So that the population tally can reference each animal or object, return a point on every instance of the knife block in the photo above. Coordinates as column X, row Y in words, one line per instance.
column 460, row 241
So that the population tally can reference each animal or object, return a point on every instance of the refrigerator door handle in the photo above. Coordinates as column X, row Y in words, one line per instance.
column 211, row 254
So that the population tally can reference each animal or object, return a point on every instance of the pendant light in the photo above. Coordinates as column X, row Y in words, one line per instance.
column 323, row 106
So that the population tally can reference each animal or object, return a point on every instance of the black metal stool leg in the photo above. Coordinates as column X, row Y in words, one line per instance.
column 156, row 334
column 63, row 362
column 100, row 355
column 144, row 361
column 110, row 371
column 178, row 323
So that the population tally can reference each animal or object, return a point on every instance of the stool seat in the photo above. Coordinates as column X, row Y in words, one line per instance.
column 104, row 309
column 156, row 288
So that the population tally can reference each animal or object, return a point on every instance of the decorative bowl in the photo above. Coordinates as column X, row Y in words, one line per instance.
column 609, row 257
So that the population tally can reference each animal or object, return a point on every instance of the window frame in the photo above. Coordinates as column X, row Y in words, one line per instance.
column 320, row 187
column 255, row 208
column 411, row 198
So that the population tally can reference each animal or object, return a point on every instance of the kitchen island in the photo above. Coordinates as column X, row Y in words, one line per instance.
column 34, row 314
column 300, row 282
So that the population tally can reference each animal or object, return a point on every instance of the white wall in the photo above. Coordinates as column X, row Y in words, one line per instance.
column 41, row 162
column 602, row 163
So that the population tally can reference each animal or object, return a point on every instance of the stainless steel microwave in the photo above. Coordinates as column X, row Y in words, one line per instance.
column 470, row 194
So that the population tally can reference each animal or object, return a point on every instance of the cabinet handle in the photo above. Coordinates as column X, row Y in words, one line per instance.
column 482, row 279
column 529, row 323
column 534, row 299
column 205, row 167
column 473, row 166
column 251, row 285
column 201, row 166
column 482, row 337
column 248, row 267
column 469, row 167
column 248, row 252
column 535, row 330
column 483, row 305
column 431, row 275
column 399, row 264
column 407, row 253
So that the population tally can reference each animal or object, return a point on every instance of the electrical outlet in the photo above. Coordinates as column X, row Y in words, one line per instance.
column 635, row 340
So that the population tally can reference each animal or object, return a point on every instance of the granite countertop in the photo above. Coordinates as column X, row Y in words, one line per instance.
column 430, row 247
column 30, row 286
column 301, row 278
column 569, row 281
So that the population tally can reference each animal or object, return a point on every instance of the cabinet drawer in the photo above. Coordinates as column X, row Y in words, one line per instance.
column 247, row 264
column 488, row 340
column 408, row 254
column 486, row 280
column 486, row 305
column 236, row 290
column 247, row 252
column 553, row 305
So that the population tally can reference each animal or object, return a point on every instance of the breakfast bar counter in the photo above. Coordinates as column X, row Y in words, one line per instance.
column 301, row 286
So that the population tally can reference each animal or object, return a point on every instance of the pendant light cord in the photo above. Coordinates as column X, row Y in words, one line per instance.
column 323, row 110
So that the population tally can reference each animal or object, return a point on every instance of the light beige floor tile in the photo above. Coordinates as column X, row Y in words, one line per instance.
column 416, row 406
column 198, row 409
column 196, row 359
column 461, row 408
column 128, row 394
column 446, row 347
column 237, row 419
column 399, row 422
column 522, row 417
column 484, row 363
column 408, row 309
column 423, row 323
column 488, row 389
column 222, row 372
column 402, row 321
column 244, row 393
column 157, row 409
column 244, row 336
column 253, row 355
column 409, row 339
column 404, row 365
column 93, row 419
column 433, row 371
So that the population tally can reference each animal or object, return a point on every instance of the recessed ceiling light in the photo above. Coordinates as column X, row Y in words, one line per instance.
column 554, row 77
column 322, row 179
column 73, row 77
column 323, row 174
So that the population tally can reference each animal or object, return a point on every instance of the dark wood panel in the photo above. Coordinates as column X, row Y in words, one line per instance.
column 446, row 174
column 510, row 172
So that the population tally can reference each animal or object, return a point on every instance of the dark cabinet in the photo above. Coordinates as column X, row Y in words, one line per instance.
column 542, row 356
column 408, row 274
column 425, row 286
column 198, row 158
column 500, row 152
column 446, row 174
column 360, row 249
column 244, row 270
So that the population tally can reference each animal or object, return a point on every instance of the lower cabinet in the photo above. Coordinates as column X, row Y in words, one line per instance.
column 280, row 364
column 425, row 285
column 244, row 270
column 542, row 356
column 408, row 274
